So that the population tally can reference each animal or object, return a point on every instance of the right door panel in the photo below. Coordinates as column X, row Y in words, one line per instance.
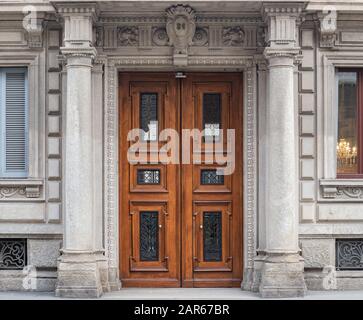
column 212, row 203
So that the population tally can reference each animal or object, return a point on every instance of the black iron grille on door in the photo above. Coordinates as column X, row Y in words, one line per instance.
column 149, row 236
column 212, row 236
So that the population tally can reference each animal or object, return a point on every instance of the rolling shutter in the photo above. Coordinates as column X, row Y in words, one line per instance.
column 14, row 122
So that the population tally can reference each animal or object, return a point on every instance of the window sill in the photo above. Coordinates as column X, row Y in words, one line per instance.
column 347, row 189
column 20, row 188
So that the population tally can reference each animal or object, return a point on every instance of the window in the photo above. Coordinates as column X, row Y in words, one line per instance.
column 149, row 115
column 350, row 124
column 212, row 115
column 13, row 123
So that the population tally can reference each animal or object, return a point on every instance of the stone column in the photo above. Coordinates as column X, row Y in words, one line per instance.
column 282, row 273
column 78, row 268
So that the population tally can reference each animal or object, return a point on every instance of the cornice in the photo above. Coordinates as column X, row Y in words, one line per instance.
column 273, row 9
column 83, row 8
column 199, row 19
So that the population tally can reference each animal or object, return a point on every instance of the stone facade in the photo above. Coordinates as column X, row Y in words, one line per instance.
column 294, row 206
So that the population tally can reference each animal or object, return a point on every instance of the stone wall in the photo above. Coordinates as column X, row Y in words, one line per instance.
column 33, row 210
column 326, row 214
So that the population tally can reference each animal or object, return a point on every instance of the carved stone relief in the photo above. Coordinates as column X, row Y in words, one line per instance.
column 99, row 37
column 261, row 37
column 317, row 253
column 341, row 192
column 204, row 36
column 350, row 192
column 328, row 28
column 160, row 36
column 200, row 37
column 180, row 27
column 128, row 36
column 19, row 192
column 233, row 36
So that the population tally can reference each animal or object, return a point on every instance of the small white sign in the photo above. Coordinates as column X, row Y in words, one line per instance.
column 211, row 130
column 152, row 134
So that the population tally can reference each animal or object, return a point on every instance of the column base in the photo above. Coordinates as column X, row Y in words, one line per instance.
column 103, row 270
column 282, row 276
column 113, row 279
column 79, row 276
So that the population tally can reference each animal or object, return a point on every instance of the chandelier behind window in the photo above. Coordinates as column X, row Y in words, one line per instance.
column 346, row 156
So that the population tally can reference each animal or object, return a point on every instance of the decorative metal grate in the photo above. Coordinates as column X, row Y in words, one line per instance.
column 212, row 236
column 208, row 176
column 12, row 254
column 211, row 115
column 148, row 176
column 148, row 110
column 349, row 254
column 149, row 236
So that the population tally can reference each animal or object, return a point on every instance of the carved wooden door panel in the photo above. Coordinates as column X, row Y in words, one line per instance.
column 149, row 214
column 212, row 203
column 180, row 224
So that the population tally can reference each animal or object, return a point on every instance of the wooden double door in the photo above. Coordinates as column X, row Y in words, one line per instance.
column 180, row 222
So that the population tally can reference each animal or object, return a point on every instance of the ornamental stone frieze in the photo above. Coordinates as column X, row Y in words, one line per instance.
column 180, row 32
column 158, row 36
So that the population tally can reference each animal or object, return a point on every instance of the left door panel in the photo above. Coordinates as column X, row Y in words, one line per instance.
column 149, row 215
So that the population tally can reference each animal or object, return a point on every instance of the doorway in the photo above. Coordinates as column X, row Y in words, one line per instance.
column 180, row 222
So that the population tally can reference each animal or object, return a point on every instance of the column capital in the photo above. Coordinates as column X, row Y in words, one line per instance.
column 84, row 56
column 78, row 27
column 290, row 56
column 282, row 8
column 282, row 20
column 77, row 9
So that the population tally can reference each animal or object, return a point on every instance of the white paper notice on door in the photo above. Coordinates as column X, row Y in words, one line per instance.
column 152, row 134
column 211, row 130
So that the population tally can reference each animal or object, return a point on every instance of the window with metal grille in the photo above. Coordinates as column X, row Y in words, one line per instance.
column 148, row 176
column 212, row 116
column 149, row 115
column 349, row 254
column 210, row 176
column 12, row 254
column 13, row 123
